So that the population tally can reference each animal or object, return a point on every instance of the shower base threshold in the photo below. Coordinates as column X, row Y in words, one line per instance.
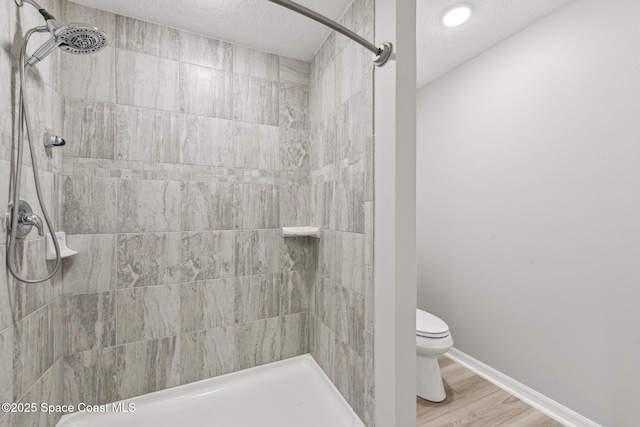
column 289, row 393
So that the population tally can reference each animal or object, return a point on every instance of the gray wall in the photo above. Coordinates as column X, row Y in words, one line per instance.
column 185, row 154
column 341, row 120
column 31, row 336
column 528, row 207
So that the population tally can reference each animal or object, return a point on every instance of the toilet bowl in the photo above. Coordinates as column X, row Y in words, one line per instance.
column 432, row 338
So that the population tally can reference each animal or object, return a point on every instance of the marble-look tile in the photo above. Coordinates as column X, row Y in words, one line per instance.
column 207, row 304
column 256, row 146
column 351, row 124
column 47, row 389
column 224, row 254
column 368, row 233
column 147, row 135
column 8, row 30
column 257, row 297
column 27, row 298
column 330, row 257
column 145, row 206
column 350, row 69
column 207, row 206
column 255, row 206
column 147, row 366
column 93, row 268
column 258, row 343
column 369, row 299
column 148, row 313
column 90, row 77
column 208, row 255
column 148, row 259
column 206, row 91
column 369, row 352
column 348, row 311
column 6, row 356
column 348, row 203
column 298, row 254
column 90, row 377
column 33, row 351
column 325, row 296
column 89, row 205
column 349, row 375
column 352, row 262
column 294, row 71
column 89, row 129
column 295, row 335
column 147, row 81
column 255, row 100
column 5, row 196
column 196, row 260
column 295, row 205
column 255, row 63
column 257, row 252
column 295, row 293
column 321, row 347
column 327, row 84
column 206, row 141
column 294, row 104
column 207, row 354
column 90, row 321
column 369, row 170
column 205, row 51
column 6, row 290
column 145, row 37
column 294, row 150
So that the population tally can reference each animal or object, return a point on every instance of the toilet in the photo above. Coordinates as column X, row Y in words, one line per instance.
column 432, row 338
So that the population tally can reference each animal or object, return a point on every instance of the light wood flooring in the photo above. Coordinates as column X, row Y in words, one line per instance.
column 473, row 401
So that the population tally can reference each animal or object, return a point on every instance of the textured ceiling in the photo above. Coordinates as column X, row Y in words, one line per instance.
column 269, row 27
column 442, row 48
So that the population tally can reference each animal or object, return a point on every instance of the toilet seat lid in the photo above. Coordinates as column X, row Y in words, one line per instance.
column 430, row 326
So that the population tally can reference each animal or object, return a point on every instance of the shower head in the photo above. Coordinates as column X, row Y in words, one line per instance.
column 79, row 39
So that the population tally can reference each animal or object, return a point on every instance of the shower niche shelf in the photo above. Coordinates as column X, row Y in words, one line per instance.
column 65, row 251
column 300, row 231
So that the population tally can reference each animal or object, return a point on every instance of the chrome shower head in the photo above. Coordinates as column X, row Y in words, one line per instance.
column 78, row 39
column 81, row 39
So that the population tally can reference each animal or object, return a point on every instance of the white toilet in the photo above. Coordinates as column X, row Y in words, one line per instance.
column 432, row 338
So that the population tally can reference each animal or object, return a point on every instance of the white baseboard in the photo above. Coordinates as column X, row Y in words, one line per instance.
column 539, row 401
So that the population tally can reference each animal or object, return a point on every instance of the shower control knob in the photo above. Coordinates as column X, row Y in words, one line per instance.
column 26, row 220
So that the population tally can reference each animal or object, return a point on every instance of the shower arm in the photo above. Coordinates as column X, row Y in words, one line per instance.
column 381, row 54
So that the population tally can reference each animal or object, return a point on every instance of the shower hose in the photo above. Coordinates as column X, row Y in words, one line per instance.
column 24, row 120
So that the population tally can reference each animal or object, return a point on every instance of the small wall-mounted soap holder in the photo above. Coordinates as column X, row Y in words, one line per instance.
column 65, row 251
column 300, row 231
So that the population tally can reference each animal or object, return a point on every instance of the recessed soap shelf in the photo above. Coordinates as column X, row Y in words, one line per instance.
column 300, row 231
column 65, row 251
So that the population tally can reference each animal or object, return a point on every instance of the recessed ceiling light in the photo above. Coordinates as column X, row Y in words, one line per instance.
column 456, row 15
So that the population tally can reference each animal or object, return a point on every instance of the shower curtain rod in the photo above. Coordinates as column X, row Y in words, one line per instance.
column 381, row 54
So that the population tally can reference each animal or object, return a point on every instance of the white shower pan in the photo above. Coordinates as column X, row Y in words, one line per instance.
column 290, row 393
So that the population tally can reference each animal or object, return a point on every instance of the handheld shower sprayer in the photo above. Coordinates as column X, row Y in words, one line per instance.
column 78, row 39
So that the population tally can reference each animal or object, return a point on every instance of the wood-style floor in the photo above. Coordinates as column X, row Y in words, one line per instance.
column 473, row 401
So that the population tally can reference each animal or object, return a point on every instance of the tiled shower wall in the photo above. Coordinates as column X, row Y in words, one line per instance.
column 185, row 154
column 341, row 125
column 31, row 336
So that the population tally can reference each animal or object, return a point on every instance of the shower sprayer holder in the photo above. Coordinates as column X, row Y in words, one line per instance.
column 26, row 220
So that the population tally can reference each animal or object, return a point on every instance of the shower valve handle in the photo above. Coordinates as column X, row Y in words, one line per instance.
column 26, row 220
